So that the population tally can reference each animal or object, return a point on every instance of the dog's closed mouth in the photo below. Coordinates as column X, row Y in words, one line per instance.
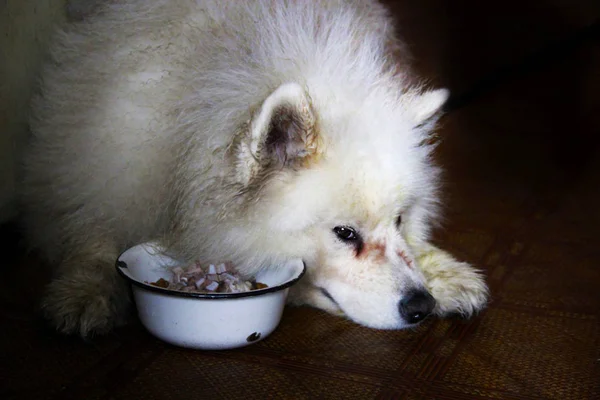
column 329, row 296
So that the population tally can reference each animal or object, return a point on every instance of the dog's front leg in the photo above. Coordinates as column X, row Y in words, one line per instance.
column 87, row 297
column 456, row 286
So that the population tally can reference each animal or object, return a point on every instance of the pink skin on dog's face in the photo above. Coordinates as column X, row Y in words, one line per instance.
column 375, row 251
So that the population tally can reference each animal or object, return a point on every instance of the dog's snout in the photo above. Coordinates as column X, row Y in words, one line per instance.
column 416, row 306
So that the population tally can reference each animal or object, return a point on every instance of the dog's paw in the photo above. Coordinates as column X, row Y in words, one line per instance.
column 85, row 304
column 457, row 287
column 460, row 290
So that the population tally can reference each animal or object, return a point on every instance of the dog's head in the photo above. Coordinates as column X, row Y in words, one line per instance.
column 348, row 187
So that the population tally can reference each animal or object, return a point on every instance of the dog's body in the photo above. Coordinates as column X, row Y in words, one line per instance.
column 248, row 131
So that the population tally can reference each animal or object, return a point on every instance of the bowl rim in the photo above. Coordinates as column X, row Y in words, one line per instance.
column 120, row 264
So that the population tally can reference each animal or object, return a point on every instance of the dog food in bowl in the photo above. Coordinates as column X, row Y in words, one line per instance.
column 192, row 316
column 222, row 278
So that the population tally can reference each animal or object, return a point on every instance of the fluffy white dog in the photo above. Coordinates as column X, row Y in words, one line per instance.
column 252, row 131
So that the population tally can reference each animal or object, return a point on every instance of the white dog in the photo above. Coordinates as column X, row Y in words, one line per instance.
column 252, row 131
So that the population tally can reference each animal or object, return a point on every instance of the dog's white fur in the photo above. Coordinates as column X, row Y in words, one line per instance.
column 239, row 130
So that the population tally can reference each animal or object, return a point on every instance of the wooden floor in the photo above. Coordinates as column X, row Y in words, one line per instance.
column 521, row 150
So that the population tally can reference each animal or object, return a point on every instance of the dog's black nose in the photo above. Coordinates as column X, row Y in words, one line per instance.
column 416, row 306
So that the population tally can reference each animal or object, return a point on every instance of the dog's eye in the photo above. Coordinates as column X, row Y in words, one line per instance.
column 346, row 233
column 399, row 221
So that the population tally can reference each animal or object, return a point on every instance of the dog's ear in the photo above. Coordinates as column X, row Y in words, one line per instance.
column 281, row 133
column 425, row 106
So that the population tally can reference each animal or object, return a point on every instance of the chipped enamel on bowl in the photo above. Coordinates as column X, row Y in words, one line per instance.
column 209, row 321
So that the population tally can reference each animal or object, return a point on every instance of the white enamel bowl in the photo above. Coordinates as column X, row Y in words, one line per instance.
column 205, row 321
